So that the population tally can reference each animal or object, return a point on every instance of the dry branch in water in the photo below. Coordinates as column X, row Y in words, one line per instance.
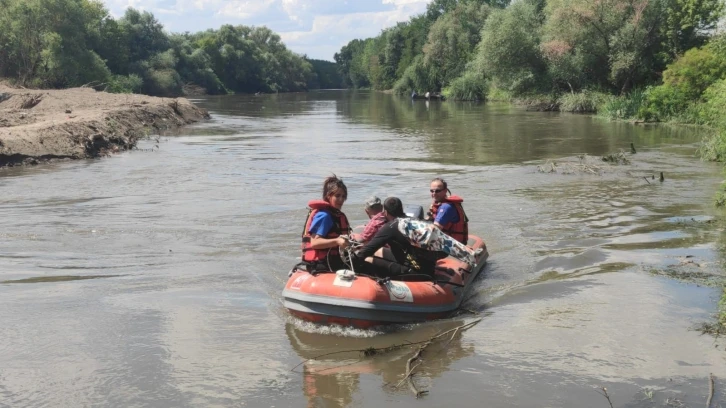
column 584, row 165
column 371, row 351
column 409, row 370
column 604, row 393
column 616, row 158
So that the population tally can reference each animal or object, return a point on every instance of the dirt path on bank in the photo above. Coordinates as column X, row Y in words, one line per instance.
column 78, row 123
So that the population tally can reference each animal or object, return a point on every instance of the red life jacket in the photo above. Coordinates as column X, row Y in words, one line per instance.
column 458, row 230
column 340, row 227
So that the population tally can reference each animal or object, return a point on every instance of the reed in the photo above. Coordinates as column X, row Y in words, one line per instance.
column 624, row 106
column 582, row 102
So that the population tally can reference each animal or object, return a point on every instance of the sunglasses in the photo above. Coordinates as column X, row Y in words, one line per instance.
column 438, row 190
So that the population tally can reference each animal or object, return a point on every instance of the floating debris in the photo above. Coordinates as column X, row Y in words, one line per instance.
column 616, row 158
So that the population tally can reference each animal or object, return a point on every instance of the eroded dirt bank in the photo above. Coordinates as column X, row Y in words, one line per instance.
column 41, row 125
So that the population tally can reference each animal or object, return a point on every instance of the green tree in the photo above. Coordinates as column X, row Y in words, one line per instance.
column 326, row 75
column 393, row 46
column 684, row 83
column 194, row 65
column 354, row 64
column 509, row 51
column 68, row 58
column 687, row 24
column 608, row 44
column 48, row 42
column 452, row 40
column 113, row 46
column 145, row 34
column 415, row 34
column 22, row 30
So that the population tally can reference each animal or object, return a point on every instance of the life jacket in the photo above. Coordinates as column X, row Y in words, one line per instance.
column 340, row 226
column 457, row 230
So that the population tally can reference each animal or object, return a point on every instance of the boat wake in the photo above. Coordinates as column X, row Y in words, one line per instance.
column 337, row 330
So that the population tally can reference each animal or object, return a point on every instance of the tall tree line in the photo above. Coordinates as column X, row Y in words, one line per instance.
column 531, row 46
column 63, row 43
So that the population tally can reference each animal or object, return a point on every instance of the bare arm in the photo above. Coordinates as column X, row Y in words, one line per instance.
column 318, row 242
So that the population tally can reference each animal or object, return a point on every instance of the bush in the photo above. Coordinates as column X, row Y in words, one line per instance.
column 498, row 94
column 125, row 84
column 163, row 83
column 714, row 146
column 695, row 71
column 664, row 103
column 469, row 87
column 623, row 107
column 402, row 86
column 583, row 102
column 207, row 79
column 713, row 110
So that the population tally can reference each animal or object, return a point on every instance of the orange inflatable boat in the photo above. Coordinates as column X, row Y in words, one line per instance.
column 362, row 301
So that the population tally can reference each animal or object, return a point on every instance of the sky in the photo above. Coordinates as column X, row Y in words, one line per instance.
column 317, row 28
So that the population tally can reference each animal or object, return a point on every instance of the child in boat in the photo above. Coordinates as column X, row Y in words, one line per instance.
column 326, row 228
column 402, row 257
column 374, row 210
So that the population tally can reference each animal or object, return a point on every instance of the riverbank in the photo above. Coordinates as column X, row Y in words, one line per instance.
column 41, row 125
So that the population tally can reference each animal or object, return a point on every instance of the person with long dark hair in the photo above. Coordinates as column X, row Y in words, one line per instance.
column 326, row 228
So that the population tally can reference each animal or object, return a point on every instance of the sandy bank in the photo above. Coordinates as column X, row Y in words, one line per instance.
column 41, row 125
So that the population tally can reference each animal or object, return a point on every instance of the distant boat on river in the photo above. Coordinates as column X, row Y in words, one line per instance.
column 435, row 97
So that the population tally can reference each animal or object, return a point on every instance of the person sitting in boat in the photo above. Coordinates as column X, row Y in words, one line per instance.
column 413, row 94
column 447, row 212
column 374, row 210
column 401, row 257
column 326, row 229
column 428, row 95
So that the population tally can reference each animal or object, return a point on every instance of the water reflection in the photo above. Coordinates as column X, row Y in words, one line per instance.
column 331, row 377
column 472, row 133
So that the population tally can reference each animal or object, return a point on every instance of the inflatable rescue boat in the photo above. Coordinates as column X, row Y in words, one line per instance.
column 362, row 301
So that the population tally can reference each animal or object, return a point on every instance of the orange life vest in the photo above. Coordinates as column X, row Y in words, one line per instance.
column 458, row 230
column 340, row 227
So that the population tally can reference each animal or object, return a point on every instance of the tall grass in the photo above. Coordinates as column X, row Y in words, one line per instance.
column 582, row 102
column 623, row 107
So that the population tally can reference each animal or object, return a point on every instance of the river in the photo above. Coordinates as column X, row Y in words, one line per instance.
column 153, row 277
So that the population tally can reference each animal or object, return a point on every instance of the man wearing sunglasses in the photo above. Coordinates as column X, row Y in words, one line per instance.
column 447, row 213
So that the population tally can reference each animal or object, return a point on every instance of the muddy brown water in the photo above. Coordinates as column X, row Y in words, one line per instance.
column 153, row 278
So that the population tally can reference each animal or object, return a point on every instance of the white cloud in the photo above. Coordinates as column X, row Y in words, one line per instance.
column 317, row 28
column 244, row 9
column 399, row 3
column 337, row 30
column 117, row 7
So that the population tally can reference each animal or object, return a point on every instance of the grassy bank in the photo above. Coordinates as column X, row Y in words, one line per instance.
column 718, row 327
